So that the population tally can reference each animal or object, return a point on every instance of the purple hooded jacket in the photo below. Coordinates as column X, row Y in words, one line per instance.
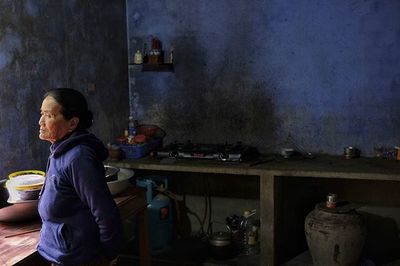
column 80, row 218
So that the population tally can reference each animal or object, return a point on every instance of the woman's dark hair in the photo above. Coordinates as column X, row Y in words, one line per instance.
column 73, row 104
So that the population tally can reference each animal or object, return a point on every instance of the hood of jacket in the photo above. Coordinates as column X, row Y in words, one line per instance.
column 82, row 137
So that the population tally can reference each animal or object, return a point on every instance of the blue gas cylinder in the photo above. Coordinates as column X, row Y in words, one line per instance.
column 159, row 211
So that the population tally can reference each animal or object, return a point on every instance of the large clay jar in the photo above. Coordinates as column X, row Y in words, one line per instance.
column 335, row 236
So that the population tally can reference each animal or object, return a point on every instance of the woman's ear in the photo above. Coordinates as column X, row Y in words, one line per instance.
column 73, row 123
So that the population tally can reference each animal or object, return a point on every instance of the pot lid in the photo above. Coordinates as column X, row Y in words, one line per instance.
column 341, row 207
column 220, row 239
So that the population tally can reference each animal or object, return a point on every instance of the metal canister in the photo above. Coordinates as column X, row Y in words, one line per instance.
column 331, row 200
column 351, row 152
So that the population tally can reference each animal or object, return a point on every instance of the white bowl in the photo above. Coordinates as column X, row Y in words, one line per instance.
column 122, row 183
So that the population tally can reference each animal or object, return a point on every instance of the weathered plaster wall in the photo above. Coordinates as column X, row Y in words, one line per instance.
column 67, row 43
column 323, row 74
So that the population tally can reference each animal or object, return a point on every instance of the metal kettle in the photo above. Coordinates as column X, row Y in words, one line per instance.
column 221, row 246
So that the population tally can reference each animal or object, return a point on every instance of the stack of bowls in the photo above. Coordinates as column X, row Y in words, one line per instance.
column 3, row 193
column 24, row 186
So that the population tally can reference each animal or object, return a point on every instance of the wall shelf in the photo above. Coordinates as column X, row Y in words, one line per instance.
column 164, row 67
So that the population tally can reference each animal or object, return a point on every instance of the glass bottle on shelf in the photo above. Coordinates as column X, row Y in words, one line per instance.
column 250, row 229
column 171, row 55
column 131, row 127
column 138, row 59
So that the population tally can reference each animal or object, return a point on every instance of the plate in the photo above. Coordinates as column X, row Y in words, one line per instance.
column 20, row 201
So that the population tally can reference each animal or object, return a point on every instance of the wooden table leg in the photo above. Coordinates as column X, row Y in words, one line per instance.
column 144, row 238
column 268, row 219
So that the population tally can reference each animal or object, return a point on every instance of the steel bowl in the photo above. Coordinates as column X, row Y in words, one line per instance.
column 111, row 173
column 117, row 186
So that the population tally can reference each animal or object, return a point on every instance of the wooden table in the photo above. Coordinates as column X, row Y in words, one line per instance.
column 18, row 241
column 271, row 169
column 15, row 249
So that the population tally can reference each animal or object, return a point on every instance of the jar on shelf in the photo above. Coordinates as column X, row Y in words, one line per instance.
column 250, row 228
column 335, row 236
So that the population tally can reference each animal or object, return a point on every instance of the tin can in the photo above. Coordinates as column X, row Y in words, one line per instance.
column 351, row 152
column 397, row 153
column 331, row 200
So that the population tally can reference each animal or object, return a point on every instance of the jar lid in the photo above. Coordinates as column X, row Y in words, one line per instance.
column 26, row 172
column 26, row 182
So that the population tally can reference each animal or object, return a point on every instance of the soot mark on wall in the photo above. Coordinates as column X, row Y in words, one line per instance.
column 218, row 107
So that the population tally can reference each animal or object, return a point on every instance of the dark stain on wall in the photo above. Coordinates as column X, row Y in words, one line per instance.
column 225, row 105
column 45, row 44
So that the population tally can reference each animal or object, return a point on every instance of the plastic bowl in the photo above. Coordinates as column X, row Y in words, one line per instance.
column 122, row 182
column 27, row 182
column 26, row 172
column 23, row 195
column 24, row 187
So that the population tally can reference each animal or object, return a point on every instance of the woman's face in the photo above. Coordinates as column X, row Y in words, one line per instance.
column 53, row 125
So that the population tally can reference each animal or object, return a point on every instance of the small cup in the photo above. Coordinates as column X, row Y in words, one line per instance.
column 114, row 154
column 397, row 153
column 351, row 152
column 287, row 152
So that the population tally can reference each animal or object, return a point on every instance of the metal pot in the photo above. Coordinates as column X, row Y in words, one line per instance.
column 3, row 193
column 221, row 246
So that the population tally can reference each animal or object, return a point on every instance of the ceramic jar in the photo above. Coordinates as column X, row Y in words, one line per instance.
column 335, row 236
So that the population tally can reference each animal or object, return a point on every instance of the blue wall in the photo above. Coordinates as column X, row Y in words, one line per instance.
column 67, row 43
column 318, row 74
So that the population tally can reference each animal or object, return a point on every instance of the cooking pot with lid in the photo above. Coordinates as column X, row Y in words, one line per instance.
column 221, row 246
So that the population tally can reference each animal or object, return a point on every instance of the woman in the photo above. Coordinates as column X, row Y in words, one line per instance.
column 81, row 223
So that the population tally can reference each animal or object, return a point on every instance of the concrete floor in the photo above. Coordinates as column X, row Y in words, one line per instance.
column 304, row 259
column 184, row 252
column 128, row 261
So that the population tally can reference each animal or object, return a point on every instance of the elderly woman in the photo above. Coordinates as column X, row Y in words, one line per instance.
column 81, row 223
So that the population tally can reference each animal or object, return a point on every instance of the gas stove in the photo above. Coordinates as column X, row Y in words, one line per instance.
column 221, row 152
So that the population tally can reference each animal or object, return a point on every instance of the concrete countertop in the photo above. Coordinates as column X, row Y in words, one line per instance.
column 319, row 166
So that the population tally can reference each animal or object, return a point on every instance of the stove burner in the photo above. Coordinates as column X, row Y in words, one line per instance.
column 221, row 152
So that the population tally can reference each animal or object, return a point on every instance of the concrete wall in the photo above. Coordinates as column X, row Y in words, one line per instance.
column 316, row 74
column 319, row 74
column 67, row 43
